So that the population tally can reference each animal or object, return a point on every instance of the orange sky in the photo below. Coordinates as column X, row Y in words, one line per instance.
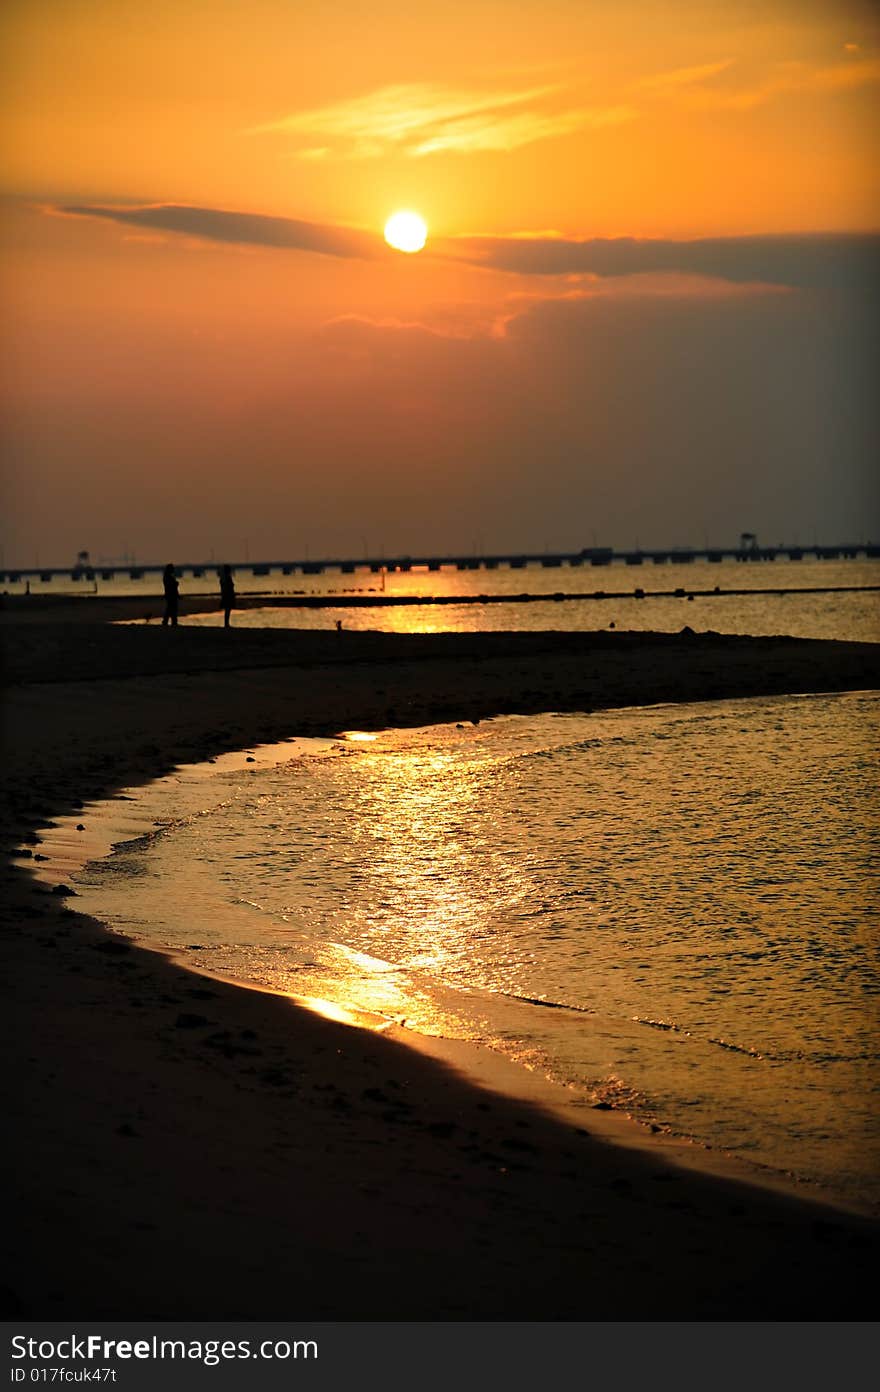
column 641, row 118
column 565, row 122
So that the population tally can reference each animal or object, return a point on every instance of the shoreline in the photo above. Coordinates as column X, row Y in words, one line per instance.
column 480, row 1063
column 148, row 1137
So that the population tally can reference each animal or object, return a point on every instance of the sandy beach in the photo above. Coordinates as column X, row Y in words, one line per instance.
column 183, row 1147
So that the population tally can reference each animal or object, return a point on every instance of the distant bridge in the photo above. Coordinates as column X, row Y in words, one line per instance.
column 430, row 561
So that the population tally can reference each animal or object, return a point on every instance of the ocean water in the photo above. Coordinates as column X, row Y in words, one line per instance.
column 854, row 616
column 673, row 910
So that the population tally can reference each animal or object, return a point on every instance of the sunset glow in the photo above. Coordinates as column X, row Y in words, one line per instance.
column 201, row 302
column 439, row 561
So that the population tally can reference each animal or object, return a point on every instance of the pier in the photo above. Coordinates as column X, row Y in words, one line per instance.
column 402, row 564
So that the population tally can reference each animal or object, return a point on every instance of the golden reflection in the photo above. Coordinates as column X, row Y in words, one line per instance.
column 341, row 1015
column 359, row 736
column 388, row 993
column 424, row 583
column 435, row 871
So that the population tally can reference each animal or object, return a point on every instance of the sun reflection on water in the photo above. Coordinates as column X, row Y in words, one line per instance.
column 699, row 932
column 435, row 873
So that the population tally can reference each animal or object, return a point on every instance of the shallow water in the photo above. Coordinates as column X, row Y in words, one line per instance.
column 670, row 908
column 852, row 616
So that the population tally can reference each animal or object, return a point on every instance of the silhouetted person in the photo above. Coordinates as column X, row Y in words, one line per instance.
column 227, row 593
column 172, row 591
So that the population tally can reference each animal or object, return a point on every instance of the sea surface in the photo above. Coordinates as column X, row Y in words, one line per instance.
column 672, row 909
column 606, row 599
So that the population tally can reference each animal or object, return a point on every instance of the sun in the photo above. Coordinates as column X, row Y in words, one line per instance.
column 406, row 231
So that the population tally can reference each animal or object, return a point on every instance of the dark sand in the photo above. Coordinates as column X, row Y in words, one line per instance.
column 180, row 1147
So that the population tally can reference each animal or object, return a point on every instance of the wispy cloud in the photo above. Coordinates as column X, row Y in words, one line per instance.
column 420, row 119
column 789, row 78
column 803, row 260
column 240, row 229
column 722, row 86
column 522, row 128
column 683, row 77
column 807, row 260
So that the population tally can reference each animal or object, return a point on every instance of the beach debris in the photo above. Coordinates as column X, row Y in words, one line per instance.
column 63, row 891
column 80, row 827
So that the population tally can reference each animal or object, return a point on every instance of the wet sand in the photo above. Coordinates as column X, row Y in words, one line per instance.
column 182, row 1147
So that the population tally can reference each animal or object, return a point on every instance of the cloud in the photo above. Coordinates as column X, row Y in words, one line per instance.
column 241, row 229
column 683, row 77
column 808, row 260
column 697, row 89
column 419, row 119
column 523, row 128
column 658, row 417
